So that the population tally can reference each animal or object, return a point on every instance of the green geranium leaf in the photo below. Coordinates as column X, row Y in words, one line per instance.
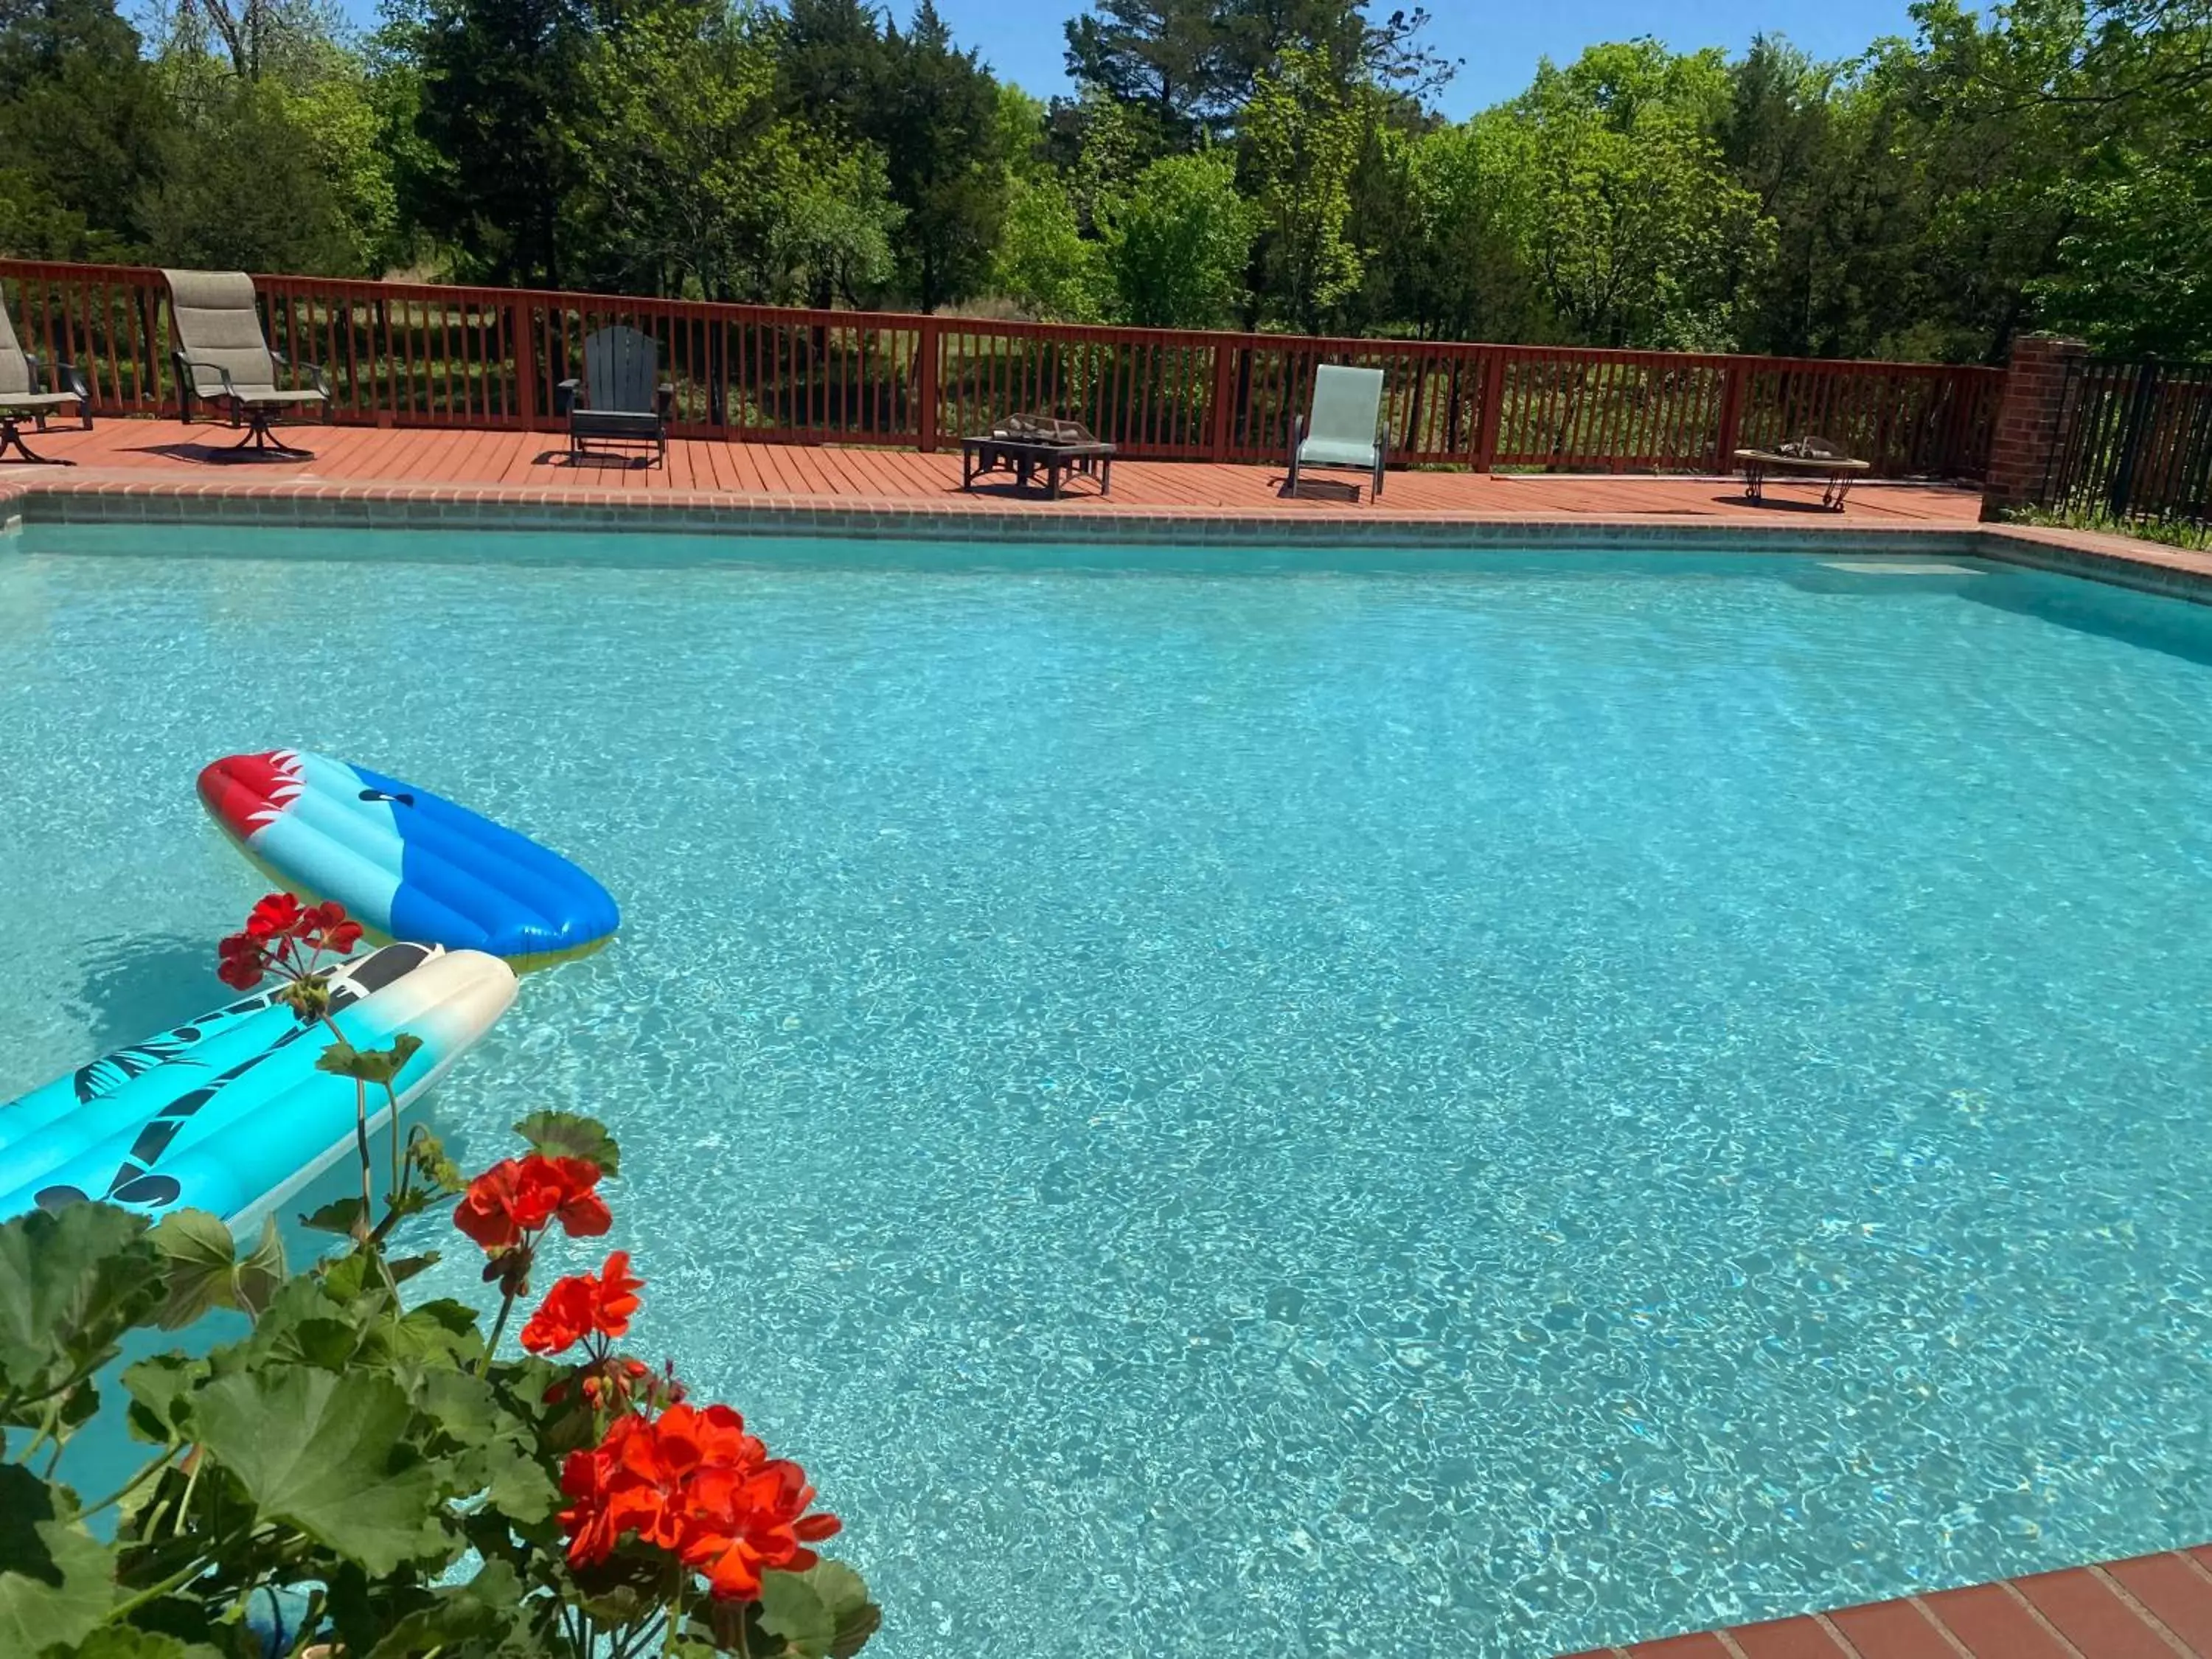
column 791, row 1608
column 128, row 1642
column 431, row 1332
column 261, row 1271
column 368, row 1065
column 160, row 1395
column 403, row 1268
column 350, row 1275
column 845, row 1595
column 568, row 1134
column 462, row 1406
column 55, row 1582
column 480, row 1612
column 326, row 1453
column 516, row 1484
column 200, row 1256
column 338, row 1216
column 204, row 1271
column 71, row 1284
column 413, row 1201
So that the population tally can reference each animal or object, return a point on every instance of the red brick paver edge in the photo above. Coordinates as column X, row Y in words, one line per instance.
column 2153, row 1607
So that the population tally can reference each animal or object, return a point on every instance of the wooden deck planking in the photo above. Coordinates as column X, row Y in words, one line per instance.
column 121, row 450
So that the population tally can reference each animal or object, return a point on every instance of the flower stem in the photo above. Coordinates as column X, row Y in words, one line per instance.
column 491, row 1342
column 168, row 1456
column 360, row 1142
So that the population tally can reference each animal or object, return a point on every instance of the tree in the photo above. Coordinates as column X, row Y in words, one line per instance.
column 1177, row 243
column 830, row 65
column 502, row 82
column 1635, row 227
column 1193, row 66
column 1166, row 60
column 243, row 185
column 82, row 131
column 693, row 181
column 1458, row 264
column 1043, row 262
column 1301, row 141
column 937, row 120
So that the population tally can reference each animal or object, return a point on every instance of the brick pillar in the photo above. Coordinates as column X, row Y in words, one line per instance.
column 2027, row 419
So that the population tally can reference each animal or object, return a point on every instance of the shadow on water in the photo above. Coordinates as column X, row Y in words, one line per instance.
column 134, row 987
column 2152, row 621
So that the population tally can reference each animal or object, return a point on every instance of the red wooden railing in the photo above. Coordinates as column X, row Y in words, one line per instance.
column 411, row 354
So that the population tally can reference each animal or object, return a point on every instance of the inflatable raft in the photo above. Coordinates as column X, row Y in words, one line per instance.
column 227, row 1113
column 406, row 863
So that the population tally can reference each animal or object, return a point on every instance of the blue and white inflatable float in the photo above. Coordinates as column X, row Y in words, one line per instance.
column 405, row 863
column 226, row 1113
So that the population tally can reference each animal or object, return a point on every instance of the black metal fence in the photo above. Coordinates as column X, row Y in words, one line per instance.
column 2134, row 444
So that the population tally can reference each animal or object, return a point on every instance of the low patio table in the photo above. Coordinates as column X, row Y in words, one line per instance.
column 1836, row 473
column 1023, row 456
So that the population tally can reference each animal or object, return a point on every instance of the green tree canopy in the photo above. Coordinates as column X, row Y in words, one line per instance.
column 1177, row 243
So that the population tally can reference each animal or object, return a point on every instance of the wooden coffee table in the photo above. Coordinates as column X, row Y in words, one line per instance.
column 1023, row 457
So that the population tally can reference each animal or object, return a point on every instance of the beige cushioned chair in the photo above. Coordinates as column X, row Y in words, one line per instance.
column 20, row 396
column 222, row 358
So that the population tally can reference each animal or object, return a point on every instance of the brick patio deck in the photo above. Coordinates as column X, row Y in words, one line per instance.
column 2155, row 1606
column 126, row 452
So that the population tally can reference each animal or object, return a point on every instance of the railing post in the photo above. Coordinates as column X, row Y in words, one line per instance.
column 1489, row 417
column 1725, row 430
column 526, row 360
column 1225, row 397
column 929, row 343
column 149, row 379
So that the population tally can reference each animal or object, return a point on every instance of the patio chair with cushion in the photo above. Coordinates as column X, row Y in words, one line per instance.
column 1344, row 427
column 222, row 357
column 621, row 398
column 20, row 398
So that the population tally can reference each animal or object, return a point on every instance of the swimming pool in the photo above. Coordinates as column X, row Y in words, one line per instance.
column 1474, row 1113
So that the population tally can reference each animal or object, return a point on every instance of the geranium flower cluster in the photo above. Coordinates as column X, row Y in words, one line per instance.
column 665, row 1475
column 585, row 1305
column 691, row 1482
column 284, row 937
column 512, row 1202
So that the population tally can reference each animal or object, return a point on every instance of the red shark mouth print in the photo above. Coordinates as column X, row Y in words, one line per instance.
column 246, row 792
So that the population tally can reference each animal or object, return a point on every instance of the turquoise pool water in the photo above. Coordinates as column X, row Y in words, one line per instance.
column 1467, row 1114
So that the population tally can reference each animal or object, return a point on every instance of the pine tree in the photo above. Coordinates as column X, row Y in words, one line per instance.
column 937, row 120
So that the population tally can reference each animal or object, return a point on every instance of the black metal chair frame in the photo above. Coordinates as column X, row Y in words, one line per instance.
column 244, row 410
column 13, row 416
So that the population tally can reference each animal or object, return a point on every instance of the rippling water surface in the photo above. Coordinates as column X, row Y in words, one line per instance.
column 1474, row 1113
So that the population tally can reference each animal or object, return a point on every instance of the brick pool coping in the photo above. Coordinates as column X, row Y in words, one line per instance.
column 2152, row 1606
column 107, row 498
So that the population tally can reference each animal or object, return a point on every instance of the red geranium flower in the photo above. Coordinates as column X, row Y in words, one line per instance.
column 693, row 1482
column 518, row 1196
column 585, row 1304
column 241, row 962
column 281, row 937
column 273, row 917
column 759, row 1525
